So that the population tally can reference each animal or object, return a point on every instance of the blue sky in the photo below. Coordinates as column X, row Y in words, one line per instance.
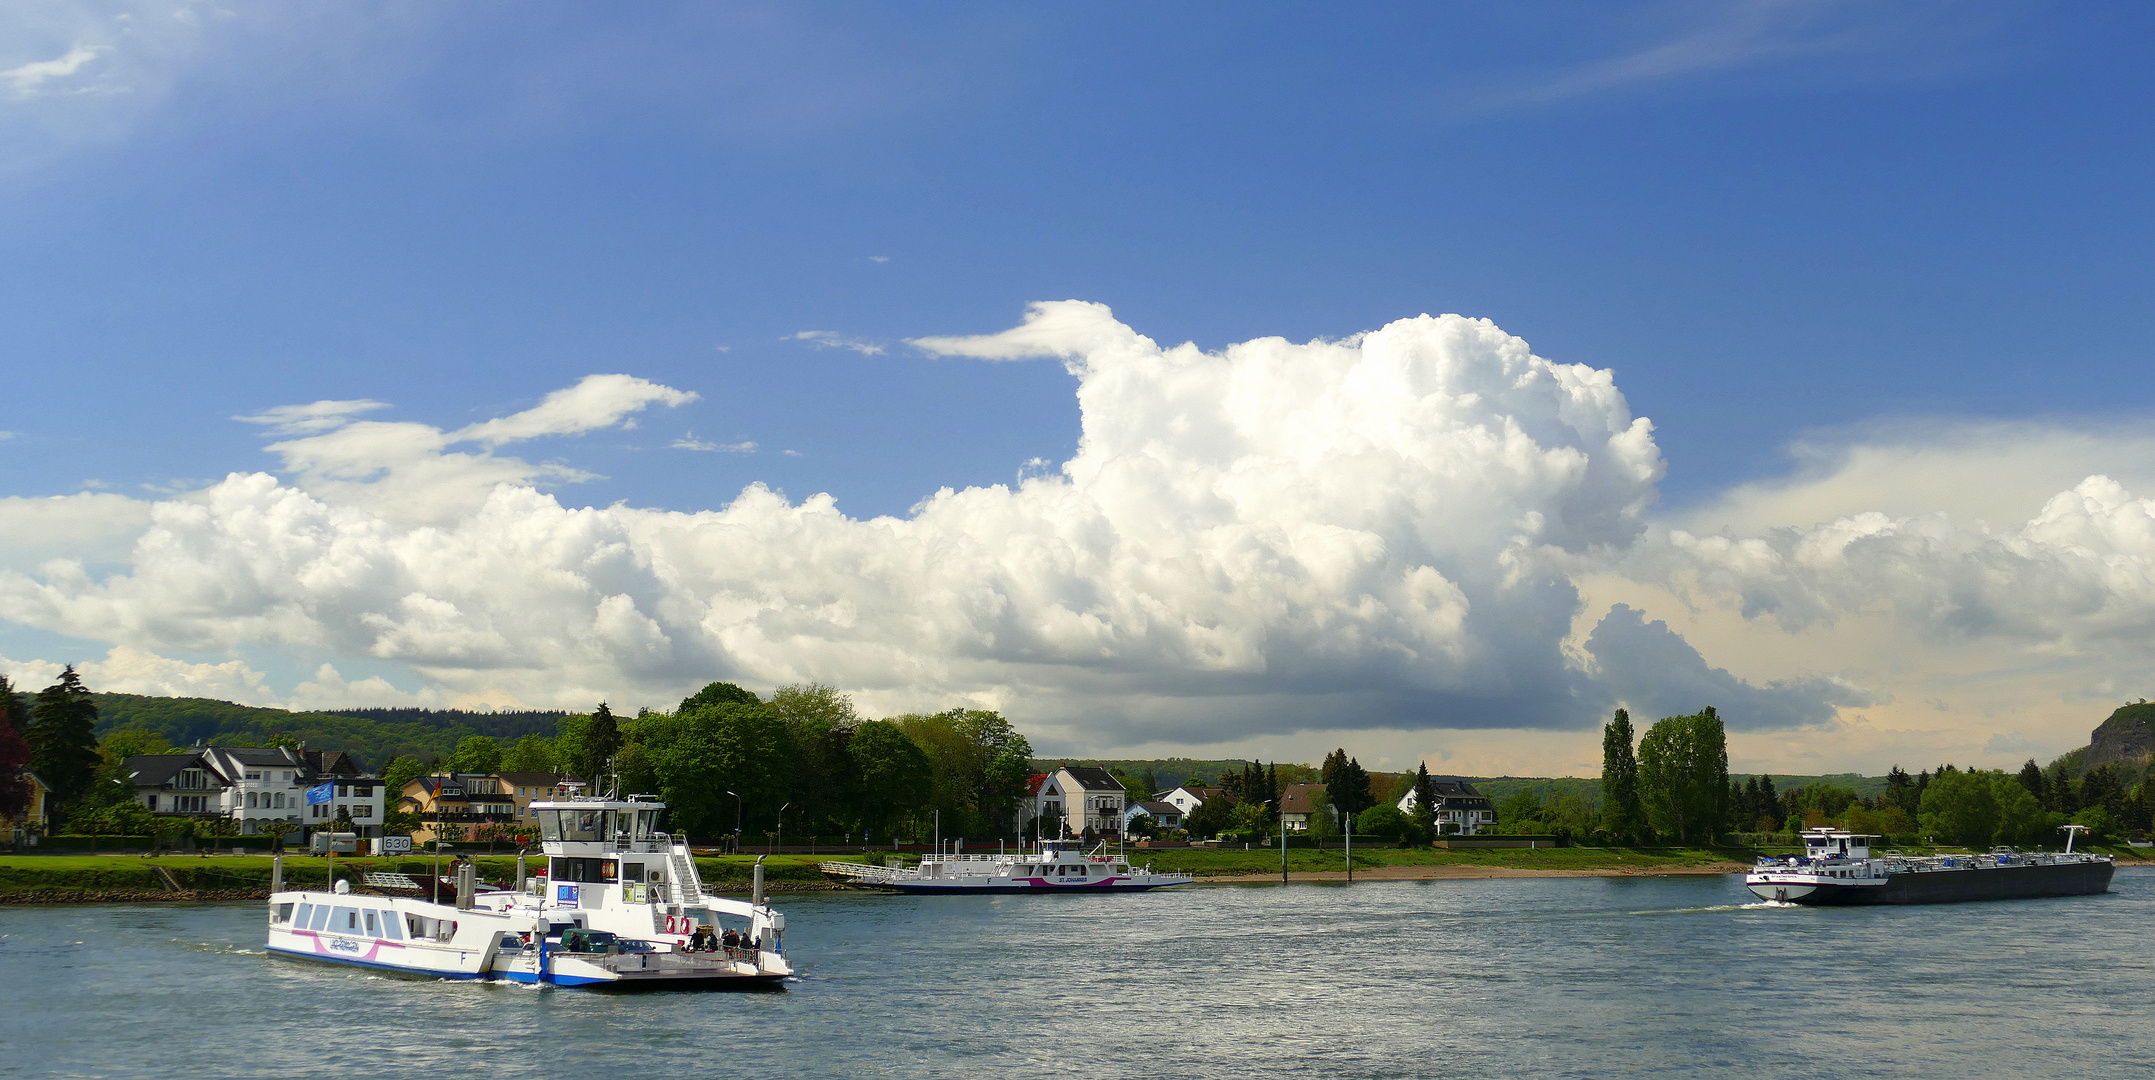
column 1799, row 234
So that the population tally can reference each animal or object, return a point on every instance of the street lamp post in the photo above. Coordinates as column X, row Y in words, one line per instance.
column 782, row 825
column 736, row 822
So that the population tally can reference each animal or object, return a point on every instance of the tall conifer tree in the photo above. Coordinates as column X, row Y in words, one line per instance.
column 1425, row 801
column 1620, row 810
column 63, row 737
column 602, row 740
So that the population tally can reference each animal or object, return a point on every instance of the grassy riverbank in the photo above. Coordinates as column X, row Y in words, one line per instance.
column 77, row 878
column 135, row 878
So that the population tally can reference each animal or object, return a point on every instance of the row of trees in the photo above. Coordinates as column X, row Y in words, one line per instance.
column 726, row 759
column 1674, row 784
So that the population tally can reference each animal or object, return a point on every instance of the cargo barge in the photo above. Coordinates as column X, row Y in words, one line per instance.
column 1837, row 868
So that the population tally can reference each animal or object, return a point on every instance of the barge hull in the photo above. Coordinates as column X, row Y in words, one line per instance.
column 1960, row 886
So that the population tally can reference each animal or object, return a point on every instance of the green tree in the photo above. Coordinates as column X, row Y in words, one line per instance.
column 601, row 741
column 534, row 753
column 636, row 768
column 699, row 755
column 980, row 764
column 14, row 753
column 2022, row 821
column 820, row 722
column 1622, row 814
column 119, row 744
column 1683, row 776
column 476, row 754
column 892, row 778
column 1346, row 784
column 1960, row 808
column 399, row 772
column 63, row 737
column 1385, row 822
column 1211, row 816
column 1521, row 812
column 1425, row 802
column 718, row 693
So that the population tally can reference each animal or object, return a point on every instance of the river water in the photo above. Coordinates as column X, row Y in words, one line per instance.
column 1582, row 977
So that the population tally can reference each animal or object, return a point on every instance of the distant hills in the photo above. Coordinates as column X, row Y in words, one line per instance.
column 374, row 736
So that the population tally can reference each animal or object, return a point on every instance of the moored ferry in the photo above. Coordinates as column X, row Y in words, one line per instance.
column 1838, row 868
column 1050, row 866
column 621, row 904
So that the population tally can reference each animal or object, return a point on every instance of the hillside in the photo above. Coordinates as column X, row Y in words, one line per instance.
column 372, row 735
column 2126, row 739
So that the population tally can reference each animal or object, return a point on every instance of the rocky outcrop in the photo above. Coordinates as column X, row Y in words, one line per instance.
column 2126, row 739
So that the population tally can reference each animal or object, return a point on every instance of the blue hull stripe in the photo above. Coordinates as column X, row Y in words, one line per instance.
column 398, row 968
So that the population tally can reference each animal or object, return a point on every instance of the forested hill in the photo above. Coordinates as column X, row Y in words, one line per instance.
column 372, row 735
column 503, row 727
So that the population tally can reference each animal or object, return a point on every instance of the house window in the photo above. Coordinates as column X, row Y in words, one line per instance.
column 362, row 811
column 150, row 801
column 250, row 800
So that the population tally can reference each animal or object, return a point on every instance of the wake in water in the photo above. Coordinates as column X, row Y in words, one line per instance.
column 1756, row 905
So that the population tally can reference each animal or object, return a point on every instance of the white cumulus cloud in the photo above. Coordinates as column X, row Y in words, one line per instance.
column 1363, row 533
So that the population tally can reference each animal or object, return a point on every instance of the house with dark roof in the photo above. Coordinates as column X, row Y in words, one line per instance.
column 1188, row 797
column 1461, row 810
column 1299, row 803
column 258, row 785
column 1151, row 814
column 1085, row 799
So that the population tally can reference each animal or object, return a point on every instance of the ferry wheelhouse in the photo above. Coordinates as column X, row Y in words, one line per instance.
column 1049, row 866
column 1839, row 868
column 620, row 904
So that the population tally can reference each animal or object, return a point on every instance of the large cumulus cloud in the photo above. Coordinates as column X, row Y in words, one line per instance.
column 2078, row 576
column 1373, row 531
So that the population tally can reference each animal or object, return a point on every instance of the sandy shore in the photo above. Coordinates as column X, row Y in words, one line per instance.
column 1450, row 873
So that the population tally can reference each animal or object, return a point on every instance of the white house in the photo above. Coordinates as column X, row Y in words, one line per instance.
column 256, row 785
column 1083, row 798
column 1163, row 815
column 1187, row 798
column 1460, row 809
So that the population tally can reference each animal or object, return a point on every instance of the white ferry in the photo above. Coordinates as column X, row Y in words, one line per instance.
column 1838, row 868
column 621, row 905
column 1051, row 866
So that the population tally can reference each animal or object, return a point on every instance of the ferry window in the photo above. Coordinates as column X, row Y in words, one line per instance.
column 593, row 871
column 374, row 928
column 646, row 822
column 321, row 918
column 583, row 824
column 346, row 920
column 632, row 872
column 392, row 927
column 306, row 911
column 284, row 913
column 549, row 824
column 445, row 929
